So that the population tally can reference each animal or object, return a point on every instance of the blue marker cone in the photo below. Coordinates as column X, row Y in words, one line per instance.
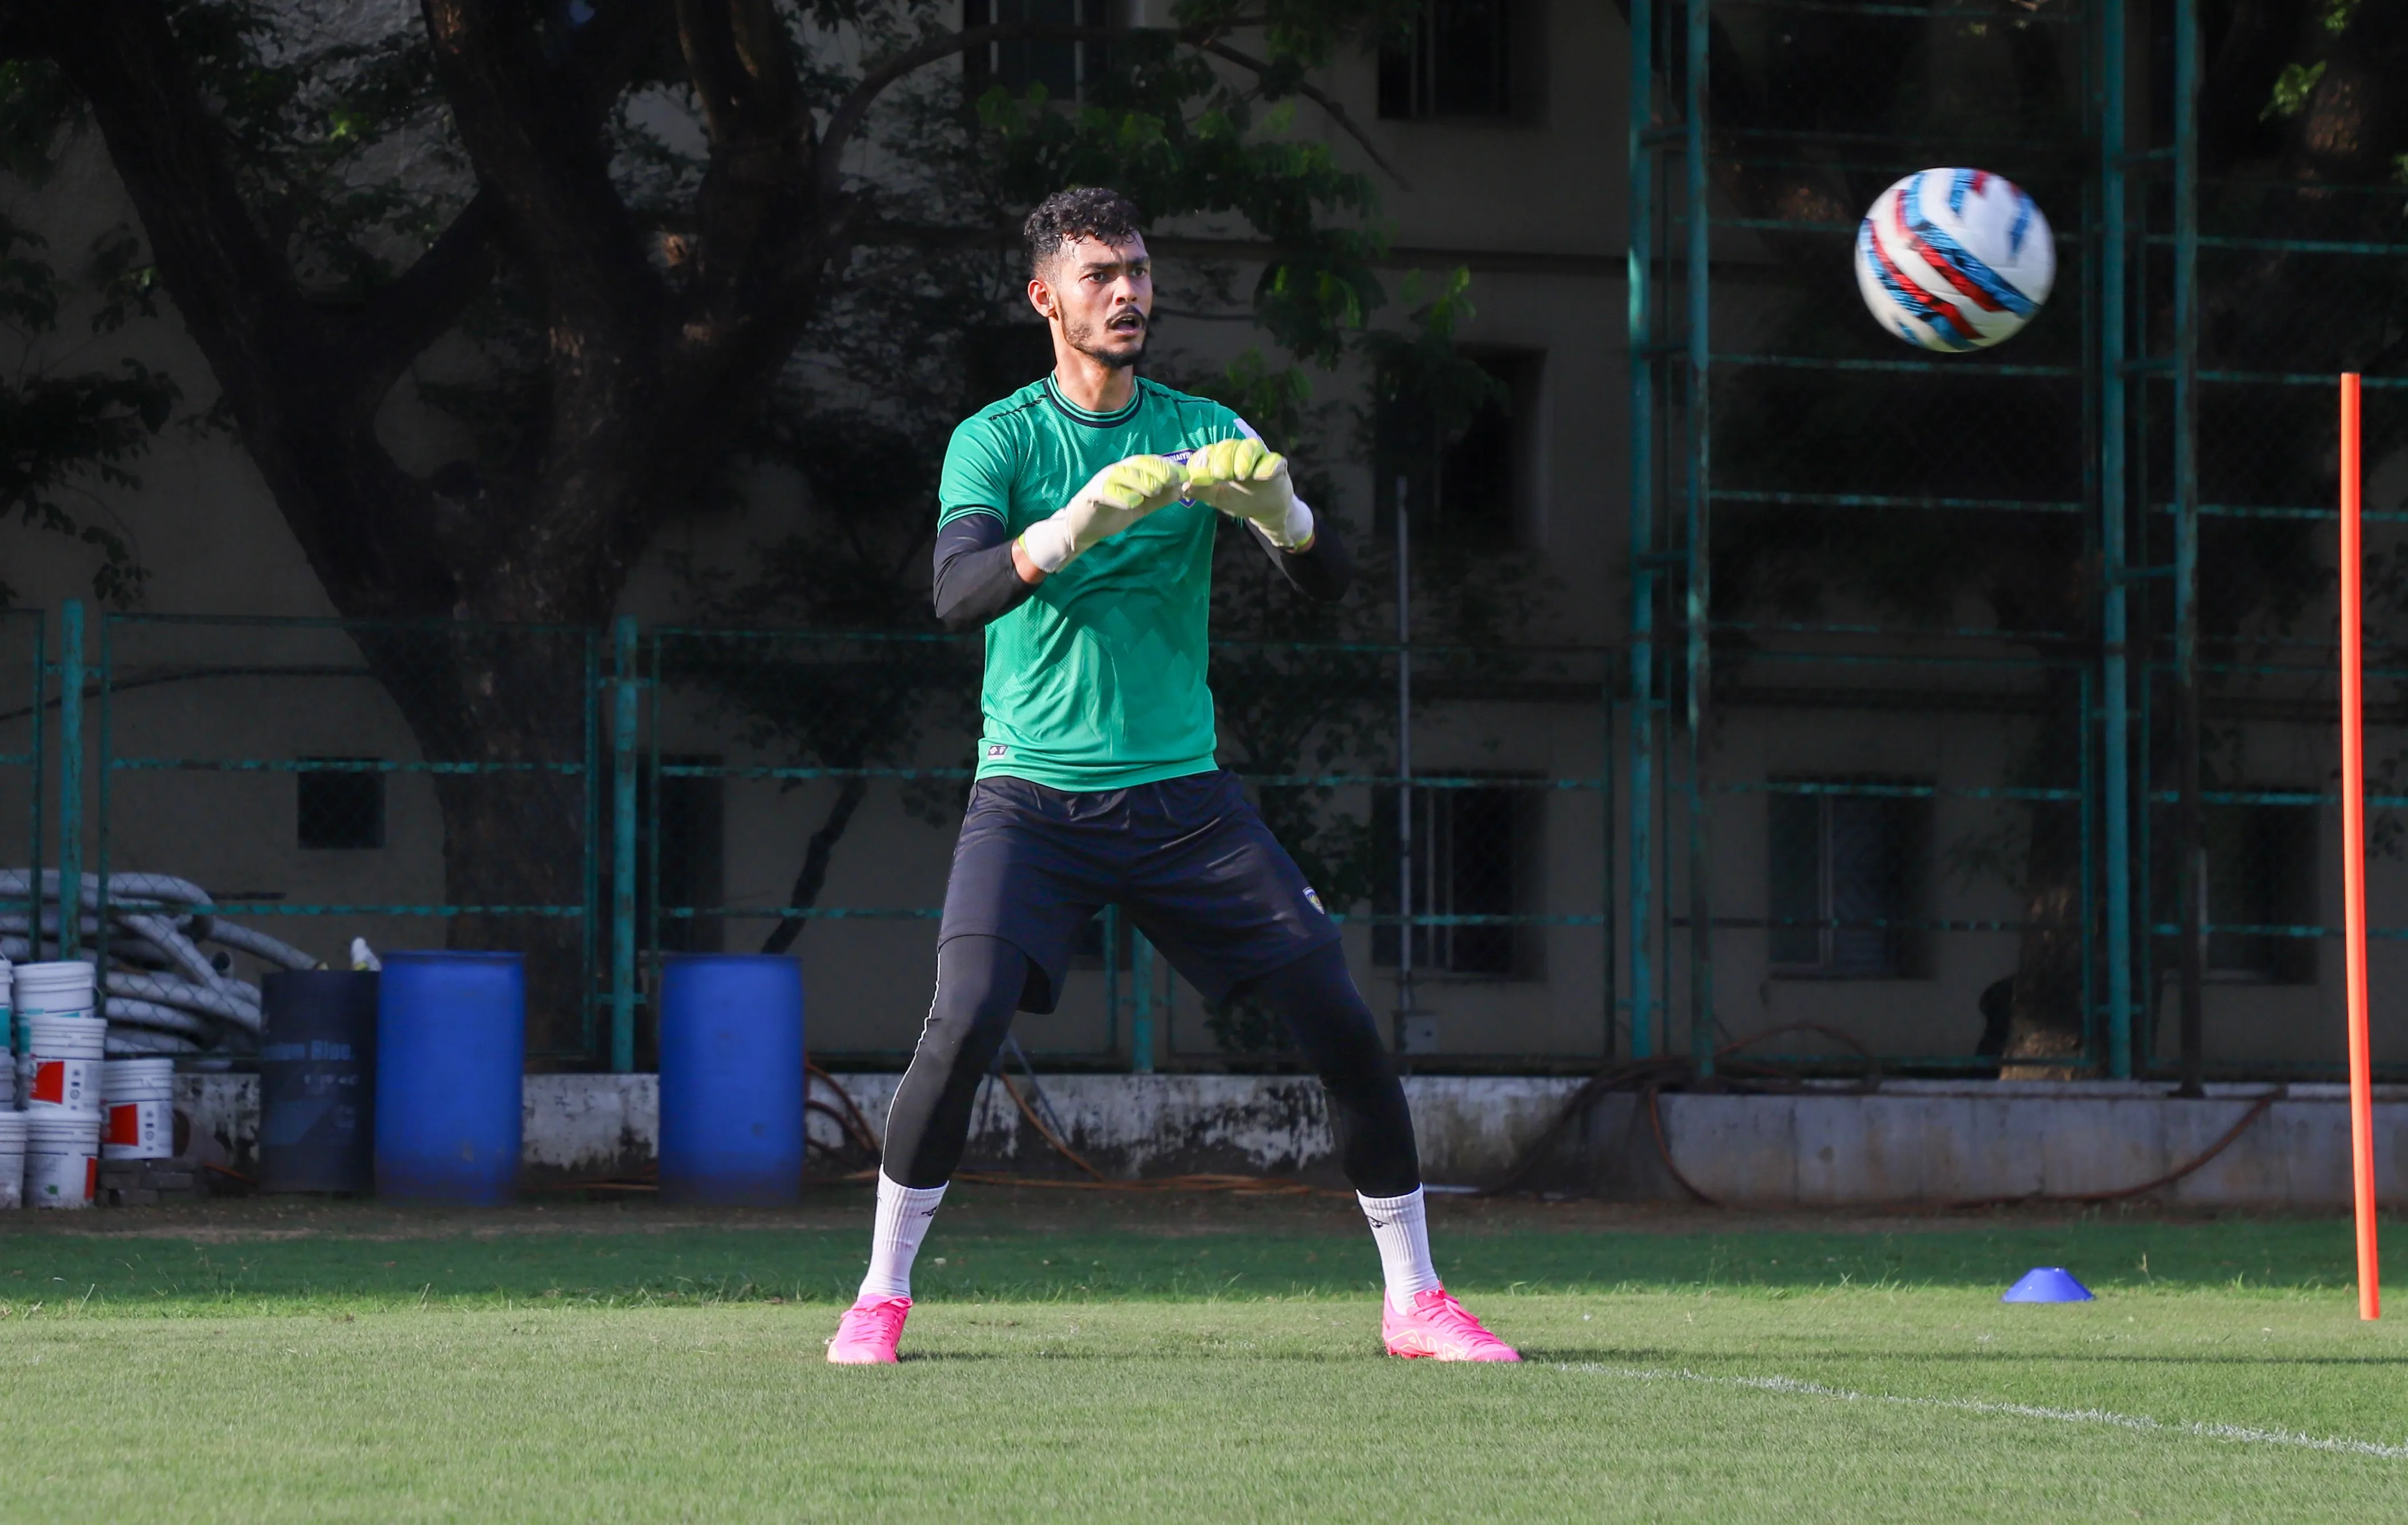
column 2047, row 1284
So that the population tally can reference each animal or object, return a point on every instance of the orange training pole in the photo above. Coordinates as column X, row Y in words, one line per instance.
column 2353, row 856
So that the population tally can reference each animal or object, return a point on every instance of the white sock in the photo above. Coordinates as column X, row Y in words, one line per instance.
column 904, row 1214
column 1400, row 1228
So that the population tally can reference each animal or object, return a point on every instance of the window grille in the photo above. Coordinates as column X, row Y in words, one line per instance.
column 1475, row 854
column 340, row 809
column 1847, row 884
column 1063, row 68
column 2261, row 873
column 1463, row 61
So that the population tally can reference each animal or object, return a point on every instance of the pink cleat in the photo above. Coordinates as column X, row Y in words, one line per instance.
column 865, row 1335
column 1439, row 1327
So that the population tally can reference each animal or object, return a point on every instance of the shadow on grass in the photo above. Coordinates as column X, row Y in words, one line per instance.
column 701, row 1267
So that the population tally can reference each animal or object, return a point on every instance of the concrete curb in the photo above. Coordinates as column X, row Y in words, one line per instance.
column 1910, row 1142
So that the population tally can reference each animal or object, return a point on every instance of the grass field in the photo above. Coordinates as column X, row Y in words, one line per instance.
column 1084, row 1357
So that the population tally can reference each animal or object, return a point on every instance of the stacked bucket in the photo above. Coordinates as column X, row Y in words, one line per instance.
column 70, row 1107
column 59, row 1041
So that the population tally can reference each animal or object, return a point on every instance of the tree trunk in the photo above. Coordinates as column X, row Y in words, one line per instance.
column 812, row 877
column 503, row 711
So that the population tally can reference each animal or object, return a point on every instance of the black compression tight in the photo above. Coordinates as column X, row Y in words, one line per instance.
column 978, row 982
column 1316, row 998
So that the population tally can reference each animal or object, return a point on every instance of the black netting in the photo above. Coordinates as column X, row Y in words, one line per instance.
column 26, row 724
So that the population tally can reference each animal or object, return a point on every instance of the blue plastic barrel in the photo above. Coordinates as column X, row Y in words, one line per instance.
column 732, row 1078
column 451, row 1054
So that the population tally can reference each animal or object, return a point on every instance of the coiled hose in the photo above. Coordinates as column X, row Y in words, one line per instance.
column 162, row 993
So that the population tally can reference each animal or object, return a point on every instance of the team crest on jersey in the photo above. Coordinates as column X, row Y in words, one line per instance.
column 1313, row 898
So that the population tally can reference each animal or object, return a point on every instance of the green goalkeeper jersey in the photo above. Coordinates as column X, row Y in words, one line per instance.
column 1095, row 680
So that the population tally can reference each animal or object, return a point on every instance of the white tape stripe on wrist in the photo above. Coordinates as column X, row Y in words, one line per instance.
column 1049, row 544
column 1298, row 528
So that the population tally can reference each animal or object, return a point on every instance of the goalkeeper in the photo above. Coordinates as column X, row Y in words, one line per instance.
column 1075, row 524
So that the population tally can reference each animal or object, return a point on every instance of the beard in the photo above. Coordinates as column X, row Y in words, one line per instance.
column 1092, row 340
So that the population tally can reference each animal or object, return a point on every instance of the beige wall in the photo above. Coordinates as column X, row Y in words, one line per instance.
column 1537, row 210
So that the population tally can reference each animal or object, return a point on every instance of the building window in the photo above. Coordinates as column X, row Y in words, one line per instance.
column 1475, row 854
column 2262, row 872
column 1477, row 488
column 680, row 848
column 1847, row 880
column 340, row 808
column 1467, row 59
column 1063, row 68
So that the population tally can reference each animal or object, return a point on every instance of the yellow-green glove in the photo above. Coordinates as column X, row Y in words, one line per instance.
column 1247, row 479
column 1114, row 499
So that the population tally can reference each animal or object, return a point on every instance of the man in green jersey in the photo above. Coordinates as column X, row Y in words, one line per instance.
column 1076, row 522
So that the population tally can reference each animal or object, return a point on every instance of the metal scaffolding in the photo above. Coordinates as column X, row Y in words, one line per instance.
column 2118, row 384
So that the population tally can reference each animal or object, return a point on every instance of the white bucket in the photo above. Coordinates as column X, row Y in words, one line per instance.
column 62, row 1158
column 53, row 990
column 12, row 1159
column 138, row 1096
column 66, row 1055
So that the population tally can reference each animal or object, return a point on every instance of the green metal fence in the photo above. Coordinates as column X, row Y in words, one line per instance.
column 1872, row 813
column 410, row 783
column 1977, row 709
column 24, row 689
column 799, row 790
column 417, row 784
column 1996, row 687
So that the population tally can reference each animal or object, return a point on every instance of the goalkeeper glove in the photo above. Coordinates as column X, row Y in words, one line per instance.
column 1114, row 499
column 1247, row 480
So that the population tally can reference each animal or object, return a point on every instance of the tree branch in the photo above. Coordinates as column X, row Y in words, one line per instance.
column 356, row 516
column 224, row 274
column 813, row 876
column 735, row 53
column 595, row 471
column 398, row 322
column 845, row 122
column 538, row 150
column 748, row 209
column 422, row 305
column 1319, row 97
column 847, row 118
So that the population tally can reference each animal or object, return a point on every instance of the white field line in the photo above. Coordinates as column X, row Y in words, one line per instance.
column 1796, row 1388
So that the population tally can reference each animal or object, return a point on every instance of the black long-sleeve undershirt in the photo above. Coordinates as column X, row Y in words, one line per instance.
column 977, row 584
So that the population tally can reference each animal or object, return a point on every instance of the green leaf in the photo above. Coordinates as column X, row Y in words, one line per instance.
column 2292, row 89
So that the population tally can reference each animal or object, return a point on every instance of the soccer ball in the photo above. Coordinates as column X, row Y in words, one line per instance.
column 1955, row 259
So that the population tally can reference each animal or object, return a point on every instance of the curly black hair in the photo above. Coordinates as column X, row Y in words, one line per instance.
column 1088, row 211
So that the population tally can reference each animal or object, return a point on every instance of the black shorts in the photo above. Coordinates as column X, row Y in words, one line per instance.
column 1187, row 859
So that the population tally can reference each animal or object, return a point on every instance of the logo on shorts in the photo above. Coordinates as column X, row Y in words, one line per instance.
column 997, row 748
column 1313, row 898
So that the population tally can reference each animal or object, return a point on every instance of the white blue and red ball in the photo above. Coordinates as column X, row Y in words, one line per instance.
column 1955, row 259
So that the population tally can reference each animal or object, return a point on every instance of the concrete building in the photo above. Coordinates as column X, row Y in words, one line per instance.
column 1508, row 136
